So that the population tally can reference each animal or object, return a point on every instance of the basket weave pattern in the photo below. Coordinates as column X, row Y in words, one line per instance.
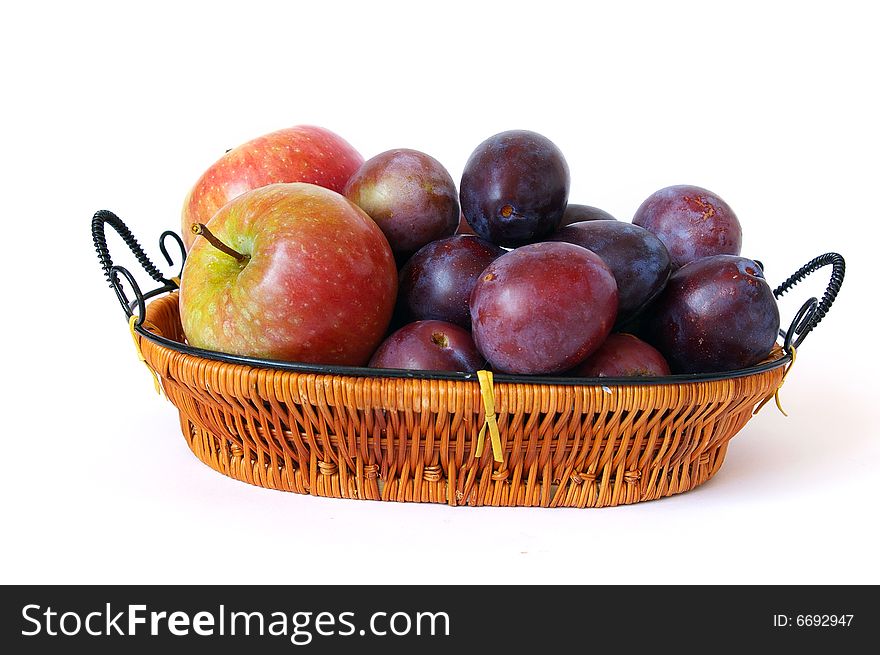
column 414, row 439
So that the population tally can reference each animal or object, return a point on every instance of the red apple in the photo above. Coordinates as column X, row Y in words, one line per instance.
column 303, row 153
column 290, row 272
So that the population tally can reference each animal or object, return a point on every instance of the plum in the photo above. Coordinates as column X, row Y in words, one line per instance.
column 577, row 213
column 638, row 259
column 464, row 227
column 410, row 195
column 437, row 281
column 623, row 355
column 429, row 346
column 691, row 222
column 514, row 188
column 543, row 308
column 716, row 314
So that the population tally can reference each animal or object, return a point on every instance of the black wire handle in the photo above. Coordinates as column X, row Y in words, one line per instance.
column 814, row 310
column 807, row 317
column 113, row 273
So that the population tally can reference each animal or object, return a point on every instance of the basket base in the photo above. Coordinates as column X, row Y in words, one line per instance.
column 607, row 488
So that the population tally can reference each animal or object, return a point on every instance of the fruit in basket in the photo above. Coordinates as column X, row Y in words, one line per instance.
column 304, row 153
column 543, row 308
column 291, row 272
column 514, row 188
column 410, row 195
column 716, row 314
column 691, row 222
column 464, row 227
column 429, row 346
column 577, row 213
column 437, row 281
column 638, row 259
column 623, row 355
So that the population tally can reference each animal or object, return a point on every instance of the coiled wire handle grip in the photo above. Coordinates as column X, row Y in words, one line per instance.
column 112, row 272
column 812, row 311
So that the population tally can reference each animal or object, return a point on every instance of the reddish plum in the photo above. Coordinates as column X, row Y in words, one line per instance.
column 410, row 195
column 429, row 346
column 623, row 355
column 638, row 259
column 691, row 222
column 543, row 308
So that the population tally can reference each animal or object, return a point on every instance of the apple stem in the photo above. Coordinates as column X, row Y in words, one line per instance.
column 201, row 228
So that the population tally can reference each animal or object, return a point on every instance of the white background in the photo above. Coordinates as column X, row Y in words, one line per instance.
column 772, row 105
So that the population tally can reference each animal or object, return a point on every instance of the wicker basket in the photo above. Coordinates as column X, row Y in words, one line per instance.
column 394, row 435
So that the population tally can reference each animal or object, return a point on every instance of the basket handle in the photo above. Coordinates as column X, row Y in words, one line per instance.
column 813, row 310
column 113, row 272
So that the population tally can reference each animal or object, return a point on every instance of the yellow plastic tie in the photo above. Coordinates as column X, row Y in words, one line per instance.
column 487, row 390
column 176, row 281
column 781, row 382
column 140, row 354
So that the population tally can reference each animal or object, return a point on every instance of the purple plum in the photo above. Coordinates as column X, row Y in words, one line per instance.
column 410, row 195
column 623, row 355
column 514, row 188
column 638, row 259
column 716, row 314
column 543, row 308
column 437, row 281
column 691, row 222
column 429, row 346
column 577, row 213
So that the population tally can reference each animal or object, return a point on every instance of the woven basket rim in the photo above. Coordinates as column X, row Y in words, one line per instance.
column 350, row 432
column 779, row 358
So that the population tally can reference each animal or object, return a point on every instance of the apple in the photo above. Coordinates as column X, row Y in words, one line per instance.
column 304, row 153
column 291, row 272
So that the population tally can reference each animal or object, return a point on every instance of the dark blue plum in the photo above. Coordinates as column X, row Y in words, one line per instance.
column 577, row 213
column 514, row 188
